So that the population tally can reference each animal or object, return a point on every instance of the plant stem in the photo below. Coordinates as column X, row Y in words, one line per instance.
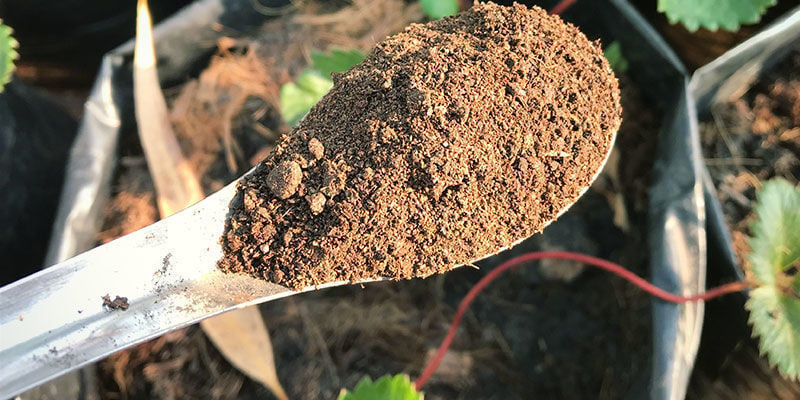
column 564, row 255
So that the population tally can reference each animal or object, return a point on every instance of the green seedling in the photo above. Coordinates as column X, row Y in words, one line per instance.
column 714, row 14
column 398, row 387
column 297, row 97
column 336, row 61
column 8, row 54
column 774, row 268
column 709, row 14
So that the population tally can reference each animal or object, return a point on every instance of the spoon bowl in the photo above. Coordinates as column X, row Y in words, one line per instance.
column 55, row 321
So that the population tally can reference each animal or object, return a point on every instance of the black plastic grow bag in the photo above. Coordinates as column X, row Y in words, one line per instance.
column 723, row 80
column 35, row 138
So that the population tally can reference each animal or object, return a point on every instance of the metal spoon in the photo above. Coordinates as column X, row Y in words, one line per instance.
column 55, row 321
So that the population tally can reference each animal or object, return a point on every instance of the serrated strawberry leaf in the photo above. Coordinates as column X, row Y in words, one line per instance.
column 8, row 54
column 774, row 259
column 775, row 245
column 775, row 319
column 714, row 14
column 435, row 9
column 398, row 387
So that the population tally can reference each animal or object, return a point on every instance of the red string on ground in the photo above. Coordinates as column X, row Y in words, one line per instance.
column 564, row 255
column 562, row 6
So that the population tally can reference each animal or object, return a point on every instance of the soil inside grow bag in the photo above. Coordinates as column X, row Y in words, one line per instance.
column 754, row 139
column 554, row 332
column 449, row 142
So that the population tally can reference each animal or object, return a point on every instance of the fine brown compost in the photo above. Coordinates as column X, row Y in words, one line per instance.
column 449, row 142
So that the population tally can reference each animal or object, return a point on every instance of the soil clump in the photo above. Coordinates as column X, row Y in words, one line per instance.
column 119, row 303
column 451, row 141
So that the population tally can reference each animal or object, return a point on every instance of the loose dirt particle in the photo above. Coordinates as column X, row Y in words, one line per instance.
column 316, row 148
column 316, row 202
column 284, row 179
column 493, row 121
column 119, row 303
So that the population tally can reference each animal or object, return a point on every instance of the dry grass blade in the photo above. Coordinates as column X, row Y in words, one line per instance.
column 175, row 182
column 240, row 335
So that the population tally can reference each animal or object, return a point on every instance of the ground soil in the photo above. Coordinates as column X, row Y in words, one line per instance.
column 746, row 375
column 451, row 141
column 746, row 142
column 751, row 140
column 556, row 332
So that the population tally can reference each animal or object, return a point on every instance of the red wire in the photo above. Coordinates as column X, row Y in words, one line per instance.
column 562, row 6
column 563, row 255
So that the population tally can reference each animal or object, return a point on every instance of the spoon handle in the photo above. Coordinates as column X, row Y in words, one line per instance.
column 55, row 320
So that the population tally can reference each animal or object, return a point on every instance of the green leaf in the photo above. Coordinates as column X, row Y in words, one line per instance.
column 243, row 339
column 336, row 61
column 775, row 245
column 8, row 53
column 714, row 14
column 613, row 53
column 774, row 258
column 436, row 9
column 398, row 387
column 298, row 97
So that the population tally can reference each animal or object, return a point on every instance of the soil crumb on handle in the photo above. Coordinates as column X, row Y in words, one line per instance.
column 119, row 303
column 451, row 141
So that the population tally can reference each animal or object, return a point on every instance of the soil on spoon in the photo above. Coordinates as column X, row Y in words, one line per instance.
column 451, row 141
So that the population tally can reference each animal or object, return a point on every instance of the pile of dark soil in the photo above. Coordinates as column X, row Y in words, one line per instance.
column 451, row 141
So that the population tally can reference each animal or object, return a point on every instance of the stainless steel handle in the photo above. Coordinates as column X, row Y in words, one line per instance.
column 54, row 321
